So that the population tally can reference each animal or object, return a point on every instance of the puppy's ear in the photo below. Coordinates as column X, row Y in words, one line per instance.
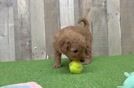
column 65, row 46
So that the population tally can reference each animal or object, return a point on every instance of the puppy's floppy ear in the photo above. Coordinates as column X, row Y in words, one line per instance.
column 65, row 46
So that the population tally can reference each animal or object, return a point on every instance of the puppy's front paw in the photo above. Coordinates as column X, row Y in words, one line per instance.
column 56, row 65
column 87, row 61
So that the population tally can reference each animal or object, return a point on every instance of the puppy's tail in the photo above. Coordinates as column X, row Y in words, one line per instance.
column 84, row 22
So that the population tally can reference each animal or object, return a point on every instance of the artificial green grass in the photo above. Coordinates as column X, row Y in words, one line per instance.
column 103, row 72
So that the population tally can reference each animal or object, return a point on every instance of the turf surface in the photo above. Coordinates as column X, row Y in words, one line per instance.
column 103, row 72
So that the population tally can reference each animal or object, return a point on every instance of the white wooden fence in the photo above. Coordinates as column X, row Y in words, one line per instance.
column 27, row 26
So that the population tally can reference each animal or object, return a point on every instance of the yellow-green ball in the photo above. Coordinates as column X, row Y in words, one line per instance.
column 75, row 67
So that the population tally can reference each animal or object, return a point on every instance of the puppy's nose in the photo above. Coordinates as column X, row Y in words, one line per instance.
column 74, row 50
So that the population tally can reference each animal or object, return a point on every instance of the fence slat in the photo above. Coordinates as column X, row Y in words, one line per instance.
column 22, row 30
column 66, row 12
column 11, row 31
column 4, row 53
column 85, row 7
column 52, row 23
column 114, row 31
column 37, row 29
column 99, row 27
column 77, row 11
column 127, row 26
column 6, row 31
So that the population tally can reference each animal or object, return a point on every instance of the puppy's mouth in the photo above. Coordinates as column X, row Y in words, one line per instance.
column 75, row 58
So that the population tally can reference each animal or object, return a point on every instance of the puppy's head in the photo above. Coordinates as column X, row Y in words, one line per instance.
column 74, row 47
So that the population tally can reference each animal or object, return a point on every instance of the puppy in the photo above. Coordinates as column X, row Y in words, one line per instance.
column 75, row 42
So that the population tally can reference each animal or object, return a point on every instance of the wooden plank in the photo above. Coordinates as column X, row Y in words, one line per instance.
column 114, row 30
column 6, row 31
column 66, row 13
column 22, row 30
column 85, row 7
column 37, row 29
column 127, row 26
column 82, row 9
column 99, row 27
column 11, row 32
column 77, row 8
column 4, row 53
column 52, row 23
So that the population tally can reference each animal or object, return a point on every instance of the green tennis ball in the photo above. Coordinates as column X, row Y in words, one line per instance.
column 75, row 67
